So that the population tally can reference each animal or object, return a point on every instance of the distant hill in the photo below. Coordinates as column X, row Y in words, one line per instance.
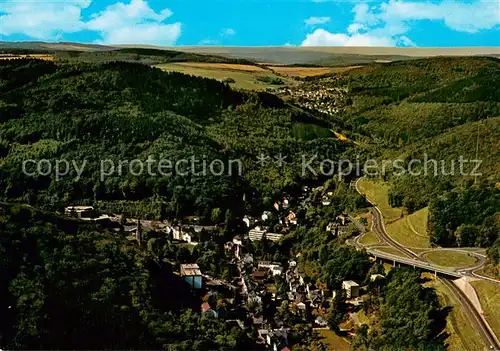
column 334, row 55
column 43, row 46
column 330, row 56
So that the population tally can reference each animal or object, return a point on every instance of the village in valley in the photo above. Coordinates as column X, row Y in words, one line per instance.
column 269, row 294
column 325, row 95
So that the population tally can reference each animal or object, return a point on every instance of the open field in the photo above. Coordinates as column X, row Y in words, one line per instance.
column 452, row 259
column 297, row 71
column 332, row 340
column 490, row 271
column 410, row 230
column 462, row 335
column 417, row 221
column 223, row 66
column 369, row 239
column 376, row 192
column 245, row 76
column 489, row 296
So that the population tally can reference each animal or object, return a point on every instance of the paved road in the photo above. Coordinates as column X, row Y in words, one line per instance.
column 473, row 316
column 479, row 323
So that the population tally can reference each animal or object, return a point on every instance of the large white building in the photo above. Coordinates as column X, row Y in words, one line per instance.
column 351, row 288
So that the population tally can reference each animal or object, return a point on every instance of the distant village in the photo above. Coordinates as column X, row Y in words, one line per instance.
column 254, row 285
column 323, row 95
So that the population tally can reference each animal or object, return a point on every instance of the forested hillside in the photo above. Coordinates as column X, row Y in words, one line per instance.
column 441, row 109
column 124, row 111
column 66, row 285
column 406, row 101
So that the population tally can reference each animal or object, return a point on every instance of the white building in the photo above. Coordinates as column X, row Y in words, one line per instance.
column 256, row 234
column 265, row 215
column 274, row 236
column 351, row 288
column 249, row 221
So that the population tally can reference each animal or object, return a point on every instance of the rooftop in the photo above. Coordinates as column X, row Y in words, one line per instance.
column 349, row 283
column 190, row 269
column 79, row 208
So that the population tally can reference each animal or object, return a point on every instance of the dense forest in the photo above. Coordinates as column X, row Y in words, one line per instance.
column 124, row 111
column 408, row 316
column 67, row 285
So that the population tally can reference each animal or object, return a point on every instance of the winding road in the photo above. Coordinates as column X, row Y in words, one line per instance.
column 415, row 260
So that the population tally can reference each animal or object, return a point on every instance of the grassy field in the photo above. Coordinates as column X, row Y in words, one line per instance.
column 462, row 335
column 369, row 239
column 333, row 341
column 489, row 296
column 417, row 221
column 223, row 66
column 376, row 193
column 298, row 71
column 450, row 259
column 490, row 270
column 245, row 76
column 410, row 230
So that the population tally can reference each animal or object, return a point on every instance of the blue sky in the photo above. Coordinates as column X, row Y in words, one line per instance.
column 422, row 23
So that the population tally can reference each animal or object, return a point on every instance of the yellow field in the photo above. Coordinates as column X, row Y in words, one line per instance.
column 369, row 239
column 376, row 193
column 462, row 335
column 224, row 66
column 411, row 230
column 417, row 221
column 489, row 296
column 243, row 75
column 450, row 259
column 297, row 71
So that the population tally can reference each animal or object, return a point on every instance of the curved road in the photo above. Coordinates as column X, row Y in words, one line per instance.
column 479, row 323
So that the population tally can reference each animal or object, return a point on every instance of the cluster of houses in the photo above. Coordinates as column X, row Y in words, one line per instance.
column 251, row 280
column 192, row 234
column 321, row 95
column 86, row 213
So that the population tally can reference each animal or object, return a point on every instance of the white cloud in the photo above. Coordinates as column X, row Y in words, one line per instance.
column 228, row 32
column 144, row 33
column 405, row 41
column 42, row 20
column 363, row 14
column 321, row 37
column 387, row 24
column 355, row 28
column 208, row 42
column 457, row 15
column 312, row 21
column 119, row 23
column 134, row 23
